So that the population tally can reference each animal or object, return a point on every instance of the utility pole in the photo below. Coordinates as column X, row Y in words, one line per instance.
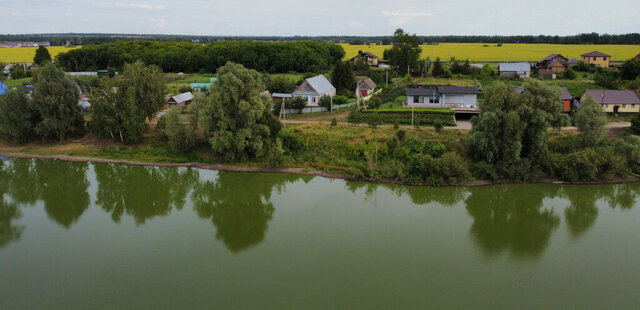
column 331, row 107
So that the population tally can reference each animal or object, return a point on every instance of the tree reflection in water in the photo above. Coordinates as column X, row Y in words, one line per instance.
column 142, row 192
column 420, row 195
column 63, row 189
column 9, row 212
column 239, row 205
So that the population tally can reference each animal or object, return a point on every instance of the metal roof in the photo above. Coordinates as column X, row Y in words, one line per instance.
column 550, row 57
column 515, row 66
column 595, row 54
column 184, row 97
column 320, row 85
column 603, row 96
column 281, row 95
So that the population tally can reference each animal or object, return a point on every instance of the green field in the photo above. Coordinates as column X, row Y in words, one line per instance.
column 26, row 54
column 490, row 52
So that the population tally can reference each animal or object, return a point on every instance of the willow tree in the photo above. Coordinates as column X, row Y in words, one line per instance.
column 147, row 85
column 238, row 121
column 591, row 121
column 18, row 117
column 56, row 99
column 512, row 129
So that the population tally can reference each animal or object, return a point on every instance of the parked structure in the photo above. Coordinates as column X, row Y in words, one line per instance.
column 314, row 88
column 180, row 100
column 597, row 58
column 455, row 97
column 366, row 86
column 519, row 69
column 615, row 101
column 367, row 57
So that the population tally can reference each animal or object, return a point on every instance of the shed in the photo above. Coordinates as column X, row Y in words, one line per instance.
column 180, row 100
column 366, row 86
column 511, row 69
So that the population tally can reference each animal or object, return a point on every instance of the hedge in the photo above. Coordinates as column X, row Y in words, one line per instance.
column 402, row 116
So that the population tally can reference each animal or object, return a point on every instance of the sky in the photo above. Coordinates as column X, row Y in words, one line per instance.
column 318, row 18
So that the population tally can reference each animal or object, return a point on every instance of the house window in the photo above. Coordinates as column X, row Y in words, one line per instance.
column 434, row 100
column 624, row 106
column 606, row 105
column 416, row 99
column 595, row 58
column 605, row 58
column 313, row 99
column 633, row 106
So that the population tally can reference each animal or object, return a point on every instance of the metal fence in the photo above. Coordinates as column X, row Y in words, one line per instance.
column 319, row 109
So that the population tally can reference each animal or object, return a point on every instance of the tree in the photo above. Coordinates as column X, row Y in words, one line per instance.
column 280, row 84
column 437, row 69
column 405, row 52
column 325, row 101
column 56, row 99
column 42, row 55
column 630, row 69
column 18, row 117
column 239, row 123
column 511, row 129
column 360, row 65
column 147, row 86
column 343, row 78
column 570, row 74
column 590, row 121
column 180, row 138
column 120, row 113
column 299, row 103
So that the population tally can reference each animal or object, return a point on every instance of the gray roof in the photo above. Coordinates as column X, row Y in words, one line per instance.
column 437, row 90
column 613, row 96
column 281, row 95
column 184, row 97
column 367, row 83
column 515, row 67
column 320, row 85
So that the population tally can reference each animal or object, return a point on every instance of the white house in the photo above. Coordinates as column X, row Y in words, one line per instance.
column 442, row 96
column 511, row 69
column 314, row 88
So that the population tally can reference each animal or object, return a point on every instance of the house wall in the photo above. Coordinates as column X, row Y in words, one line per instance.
column 598, row 61
column 514, row 73
column 623, row 108
column 447, row 100
column 314, row 101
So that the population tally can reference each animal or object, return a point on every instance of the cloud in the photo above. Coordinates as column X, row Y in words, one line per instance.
column 355, row 24
column 157, row 22
column 402, row 19
column 144, row 6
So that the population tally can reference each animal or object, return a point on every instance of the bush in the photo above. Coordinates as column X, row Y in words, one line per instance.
column 292, row 142
column 590, row 164
column 334, row 122
column 401, row 134
column 403, row 116
column 438, row 125
column 299, row 103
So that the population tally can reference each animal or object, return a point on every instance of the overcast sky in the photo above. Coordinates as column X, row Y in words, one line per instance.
column 316, row 18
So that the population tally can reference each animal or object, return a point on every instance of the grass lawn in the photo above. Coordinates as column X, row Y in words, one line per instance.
column 18, row 82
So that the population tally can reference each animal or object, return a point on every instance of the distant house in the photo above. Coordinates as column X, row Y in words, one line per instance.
column 203, row 86
column 556, row 63
column 3, row 88
column 7, row 69
column 597, row 58
column 519, row 69
column 615, row 101
column 442, row 96
column 180, row 100
column 366, row 87
column 565, row 97
column 367, row 57
column 314, row 88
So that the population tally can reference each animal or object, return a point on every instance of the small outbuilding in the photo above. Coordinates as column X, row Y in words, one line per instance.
column 366, row 87
column 513, row 69
column 180, row 100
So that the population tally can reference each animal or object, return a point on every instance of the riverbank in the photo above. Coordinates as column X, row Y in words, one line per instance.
column 298, row 171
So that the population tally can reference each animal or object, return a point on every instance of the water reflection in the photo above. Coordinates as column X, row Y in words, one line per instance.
column 239, row 205
column 8, row 213
column 142, row 192
column 445, row 196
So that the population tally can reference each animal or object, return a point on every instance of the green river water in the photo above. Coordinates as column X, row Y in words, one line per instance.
column 102, row 236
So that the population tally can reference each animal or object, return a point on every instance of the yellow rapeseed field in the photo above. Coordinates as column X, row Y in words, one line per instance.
column 490, row 52
column 25, row 54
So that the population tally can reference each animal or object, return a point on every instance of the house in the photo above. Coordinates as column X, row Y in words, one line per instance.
column 638, row 56
column 519, row 69
column 597, row 58
column 367, row 57
column 3, row 89
column 555, row 62
column 314, row 88
column 565, row 97
column 615, row 101
column 180, row 100
column 442, row 96
column 366, row 87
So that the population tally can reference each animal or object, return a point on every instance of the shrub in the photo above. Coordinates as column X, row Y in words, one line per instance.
column 438, row 125
column 292, row 142
column 401, row 134
column 403, row 116
column 334, row 122
column 299, row 103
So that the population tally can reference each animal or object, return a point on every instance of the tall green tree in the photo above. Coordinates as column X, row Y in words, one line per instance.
column 511, row 129
column 147, row 86
column 343, row 78
column 119, row 109
column 437, row 70
column 42, row 55
column 591, row 121
column 18, row 117
column 630, row 69
column 405, row 52
column 56, row 99
column 238, row 120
